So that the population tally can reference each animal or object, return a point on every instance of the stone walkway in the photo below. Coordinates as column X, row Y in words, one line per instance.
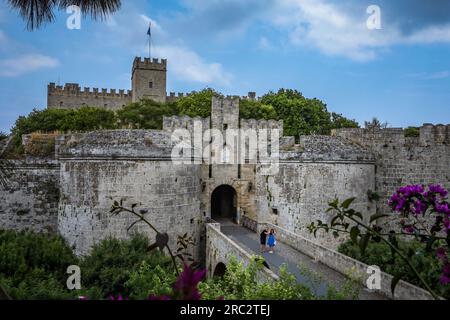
column 292, row 258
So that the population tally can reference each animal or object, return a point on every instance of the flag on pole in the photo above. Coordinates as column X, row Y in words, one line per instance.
column 149, row 31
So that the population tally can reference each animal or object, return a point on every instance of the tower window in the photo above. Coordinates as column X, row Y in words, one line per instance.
column 150, row 84
column 61, row 103
column 225, row 126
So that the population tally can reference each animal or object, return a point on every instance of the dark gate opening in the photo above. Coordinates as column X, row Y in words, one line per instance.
column 220, row 270
column 224, row 203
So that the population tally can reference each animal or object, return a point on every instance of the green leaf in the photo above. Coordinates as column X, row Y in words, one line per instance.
column 363, row 242
column 334, row 204
column 395, row 281
column 335, row 234
column 333, row 221
column 430, row 243
column 378, row 216
column 354, row 233
column 359, row 215
column 347, row 203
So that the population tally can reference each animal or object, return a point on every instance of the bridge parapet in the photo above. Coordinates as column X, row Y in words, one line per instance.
column 344, row 264
column 220, row 248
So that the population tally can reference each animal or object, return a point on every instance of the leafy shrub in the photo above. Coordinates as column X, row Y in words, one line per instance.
column 41, row 145
column 254, row 109
column 52, row 120
column 3, row 136
column 197, row 103
column 33, row 266
column 240, row 283
column 150, row 280
column 146, row 114
column 112, row 262
column 412, row 132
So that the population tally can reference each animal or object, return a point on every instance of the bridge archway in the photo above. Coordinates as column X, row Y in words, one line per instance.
column 224, row 203
column 219, row 270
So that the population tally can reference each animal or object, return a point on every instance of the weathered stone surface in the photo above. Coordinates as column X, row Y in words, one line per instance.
column 300, row 194
column 30, row 200
column 401, row 161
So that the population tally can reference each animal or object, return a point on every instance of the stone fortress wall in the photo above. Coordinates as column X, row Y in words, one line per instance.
column 71, row 96
column 88, row 171
column 134, row 166
column 404, row 160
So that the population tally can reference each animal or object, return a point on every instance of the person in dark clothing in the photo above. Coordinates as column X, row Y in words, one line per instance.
column 263, row 239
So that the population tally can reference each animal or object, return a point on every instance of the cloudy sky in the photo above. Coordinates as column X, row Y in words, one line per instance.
column 399, row 73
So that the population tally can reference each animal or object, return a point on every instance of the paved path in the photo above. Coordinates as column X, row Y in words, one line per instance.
column 292, row 258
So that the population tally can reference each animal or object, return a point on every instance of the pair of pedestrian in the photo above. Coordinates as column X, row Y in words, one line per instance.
column 268, row 239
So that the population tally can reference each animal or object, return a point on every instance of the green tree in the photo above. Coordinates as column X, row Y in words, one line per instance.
column 375, row 124
column 301, row 116
column 339, row 121
column 146, row 114
column 254, row 109
column 197, row 103
column 51, row 120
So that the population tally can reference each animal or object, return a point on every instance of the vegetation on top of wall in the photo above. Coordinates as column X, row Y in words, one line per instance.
column 412, row 132
column 41, row 145
column 3, row 136
column 304, row 116
column 63, row 120
column 146, row 114
column 301, row 116
column 197, row 103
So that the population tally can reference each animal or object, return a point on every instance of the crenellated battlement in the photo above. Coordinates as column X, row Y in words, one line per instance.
column 150, row 64
column 184, row 122
column 172, row 96
column 75, row 89
column 429, row 134
column 262, row 124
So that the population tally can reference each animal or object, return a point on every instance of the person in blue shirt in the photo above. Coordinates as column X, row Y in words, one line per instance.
column 272, row 241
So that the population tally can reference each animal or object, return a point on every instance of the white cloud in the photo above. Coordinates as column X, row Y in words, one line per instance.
column 26, row 63
column 187, row 65
column 327, row 27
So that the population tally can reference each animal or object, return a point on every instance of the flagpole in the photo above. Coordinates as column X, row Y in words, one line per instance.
column 149, row 40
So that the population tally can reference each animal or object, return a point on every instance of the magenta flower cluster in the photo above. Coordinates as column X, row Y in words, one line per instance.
column 445, row 276
column 186, row 286
column 414, row 199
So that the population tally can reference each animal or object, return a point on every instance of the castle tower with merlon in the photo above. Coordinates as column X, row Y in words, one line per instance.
column 71, row 96
column 148, row 79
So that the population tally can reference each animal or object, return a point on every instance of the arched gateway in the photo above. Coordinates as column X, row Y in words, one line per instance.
column 224, row 203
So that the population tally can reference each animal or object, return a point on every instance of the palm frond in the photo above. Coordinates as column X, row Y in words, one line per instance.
column 38, row 12
column 34, row 12
column 94, row 8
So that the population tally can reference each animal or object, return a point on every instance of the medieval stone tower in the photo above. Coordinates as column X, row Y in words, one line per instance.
column 148, row 79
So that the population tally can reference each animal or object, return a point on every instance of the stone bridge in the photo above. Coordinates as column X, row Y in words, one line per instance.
column 302, row 257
